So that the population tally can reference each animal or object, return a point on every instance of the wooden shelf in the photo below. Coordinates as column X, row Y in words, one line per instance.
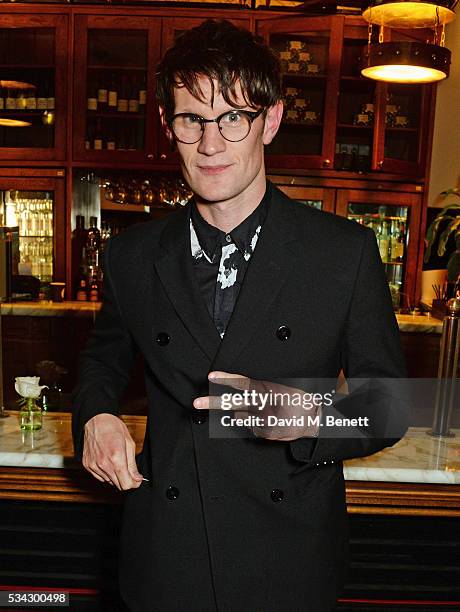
column 116, row 115
column 139, row 208
column 348, row 126
column 300, row 124
column 401, row 129
column 102, row 67
column 303, row 77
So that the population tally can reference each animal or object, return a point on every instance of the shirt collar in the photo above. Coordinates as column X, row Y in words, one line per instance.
column 211, row 238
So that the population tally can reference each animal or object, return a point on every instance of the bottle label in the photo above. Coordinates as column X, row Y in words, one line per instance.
column 143, row 97
column 10, row 103
column 112, row 98
column 31, row 103
column 2, row 103
column 110, row 145
column 92, row 104
column 102, row 95
column 21, row 103
column 122, row 106
column 50, row 103
column 42, row 103
column 98, row 144
column 133, row 106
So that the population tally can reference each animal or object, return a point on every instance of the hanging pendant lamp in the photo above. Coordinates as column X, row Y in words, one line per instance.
column 409, row 13
column 406, row 62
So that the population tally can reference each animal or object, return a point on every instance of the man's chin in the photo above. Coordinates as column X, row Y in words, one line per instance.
column 215, row 192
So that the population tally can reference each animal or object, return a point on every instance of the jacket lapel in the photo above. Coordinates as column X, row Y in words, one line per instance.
column 274, row 256
column 276, row 253
column 173, row 263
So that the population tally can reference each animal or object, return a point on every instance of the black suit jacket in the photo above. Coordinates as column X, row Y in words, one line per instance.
column 238, row 524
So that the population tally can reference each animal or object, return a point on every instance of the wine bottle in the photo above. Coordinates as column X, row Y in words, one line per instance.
column 133, row 100
column 31, row 99
column 112, row 95
column 98, row 138
column 102, row 94
column 384, row 243
column 122, row 106
column 92, row 97
column 50, row 101
column 81, row 294
column 10, row 102
column 143, row 94
column 110, row 142
column 20, row 100
column 42, row 100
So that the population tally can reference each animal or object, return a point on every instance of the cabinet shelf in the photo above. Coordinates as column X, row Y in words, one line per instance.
column 139, row 208
column 351, row 126
column 402, row 129
column 111, row 67
column 300, row 124
column 116, row 115
column 29, row 66
column 304, row 77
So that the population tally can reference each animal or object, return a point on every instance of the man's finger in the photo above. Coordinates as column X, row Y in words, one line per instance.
column 237, row 381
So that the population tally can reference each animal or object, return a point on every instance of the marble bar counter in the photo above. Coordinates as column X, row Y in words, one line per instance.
column 45, row 308
column 418, row 475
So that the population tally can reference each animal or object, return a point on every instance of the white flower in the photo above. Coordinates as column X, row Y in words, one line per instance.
column 28, row 386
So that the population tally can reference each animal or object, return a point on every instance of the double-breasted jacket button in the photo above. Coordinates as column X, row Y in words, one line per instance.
column 199, row 416
column 163, row 338
column 172, row 493
column 277, row 495
column 283, row 332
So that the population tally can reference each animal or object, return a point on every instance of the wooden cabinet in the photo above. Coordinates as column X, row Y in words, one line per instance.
column 115, row 64
column 33, row 86
column 335, row 118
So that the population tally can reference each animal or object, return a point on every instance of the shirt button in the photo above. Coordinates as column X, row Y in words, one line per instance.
column 199, row 416
column 283, row 332
column 228, row 238
column 163, row 339
column 277, row 495
column 172, row 493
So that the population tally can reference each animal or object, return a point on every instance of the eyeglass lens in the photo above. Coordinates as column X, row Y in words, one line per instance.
column 233, row 126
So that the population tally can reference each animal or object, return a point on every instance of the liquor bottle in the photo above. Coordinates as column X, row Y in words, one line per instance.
column 82, row 294
column 92, row 98
column 102, row 94
column 133, row 99
column 93, row 287
column 2, row 99
column 10, row 101
column 98, row 138
column 112, row 95
column 110, row 143
column 31, row 99
column 92, row 244
column 384, row 242
column 20, row 100
column 399, row 254
column 42, row 100
column 50, row 100
column 122, row 106
column 143, row 95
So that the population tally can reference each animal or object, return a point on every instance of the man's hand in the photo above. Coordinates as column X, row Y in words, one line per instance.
column 291, row 427
column 109, row 452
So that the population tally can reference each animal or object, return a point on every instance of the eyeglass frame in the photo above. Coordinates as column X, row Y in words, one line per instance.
column 252, row 115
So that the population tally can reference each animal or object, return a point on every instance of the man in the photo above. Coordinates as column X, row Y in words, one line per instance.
column 248, row 286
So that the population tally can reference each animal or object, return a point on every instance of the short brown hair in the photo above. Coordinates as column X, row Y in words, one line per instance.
column 219, row 50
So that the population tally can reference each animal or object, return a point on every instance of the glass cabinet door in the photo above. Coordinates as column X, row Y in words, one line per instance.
column 308, row 49
column 317, row 197
column 113, row 114
column 32, row 86
column 357, row 106
column 32, row 210
column 394, row 218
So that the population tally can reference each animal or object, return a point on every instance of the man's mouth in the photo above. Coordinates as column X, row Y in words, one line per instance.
column 213, row 169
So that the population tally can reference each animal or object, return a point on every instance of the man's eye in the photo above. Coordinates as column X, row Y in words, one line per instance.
column 192, row 119
column 232, row 118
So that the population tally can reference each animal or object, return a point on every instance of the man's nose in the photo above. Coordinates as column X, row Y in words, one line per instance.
column 212, row 141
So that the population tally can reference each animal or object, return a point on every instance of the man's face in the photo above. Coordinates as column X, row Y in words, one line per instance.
column 216, row 169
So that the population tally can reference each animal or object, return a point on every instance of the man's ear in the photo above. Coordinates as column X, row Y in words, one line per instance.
column 165, row 126
column 272, row 121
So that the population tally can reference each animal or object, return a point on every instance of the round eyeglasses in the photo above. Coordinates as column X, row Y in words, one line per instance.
column 234, row 125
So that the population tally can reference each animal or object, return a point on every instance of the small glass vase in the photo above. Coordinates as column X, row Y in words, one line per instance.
column 30, row 415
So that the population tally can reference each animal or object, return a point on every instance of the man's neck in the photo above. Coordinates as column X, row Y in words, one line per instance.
column 228, row 214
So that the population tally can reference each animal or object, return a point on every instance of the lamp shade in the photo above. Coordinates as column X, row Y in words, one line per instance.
column 409, row 13
column 406, row 62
